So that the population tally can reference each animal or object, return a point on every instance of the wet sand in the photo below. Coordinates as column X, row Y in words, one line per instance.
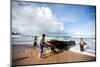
column 28, row 55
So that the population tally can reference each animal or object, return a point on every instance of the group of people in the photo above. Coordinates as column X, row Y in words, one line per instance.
column 42, row 44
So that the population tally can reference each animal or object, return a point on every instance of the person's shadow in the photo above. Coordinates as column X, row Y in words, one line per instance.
column 19, row 59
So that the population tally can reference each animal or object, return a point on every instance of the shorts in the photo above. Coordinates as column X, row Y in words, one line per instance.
column 41, row 48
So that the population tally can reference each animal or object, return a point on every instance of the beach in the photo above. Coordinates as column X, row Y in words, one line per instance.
column 29, row 55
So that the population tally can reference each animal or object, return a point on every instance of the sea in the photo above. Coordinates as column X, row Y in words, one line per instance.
column 90, row 47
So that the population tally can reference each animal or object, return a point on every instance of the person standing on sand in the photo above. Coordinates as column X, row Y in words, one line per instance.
column 82, row 43
column 35, row 41
column 42, row 44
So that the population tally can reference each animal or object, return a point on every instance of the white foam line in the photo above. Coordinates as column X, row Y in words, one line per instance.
column 84, row 53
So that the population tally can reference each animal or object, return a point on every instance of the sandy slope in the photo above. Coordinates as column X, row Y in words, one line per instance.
column 27, row 55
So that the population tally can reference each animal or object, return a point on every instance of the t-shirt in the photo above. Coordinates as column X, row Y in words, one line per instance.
column 82, row 42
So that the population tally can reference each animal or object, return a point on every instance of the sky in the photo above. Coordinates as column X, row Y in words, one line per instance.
column 49, row 18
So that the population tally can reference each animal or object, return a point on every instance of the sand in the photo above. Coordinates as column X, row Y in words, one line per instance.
column 28, row 55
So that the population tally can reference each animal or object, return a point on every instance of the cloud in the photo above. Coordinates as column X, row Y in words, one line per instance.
column 28, row 19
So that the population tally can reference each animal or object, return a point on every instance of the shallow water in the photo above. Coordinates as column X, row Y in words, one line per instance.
column 89, row 47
